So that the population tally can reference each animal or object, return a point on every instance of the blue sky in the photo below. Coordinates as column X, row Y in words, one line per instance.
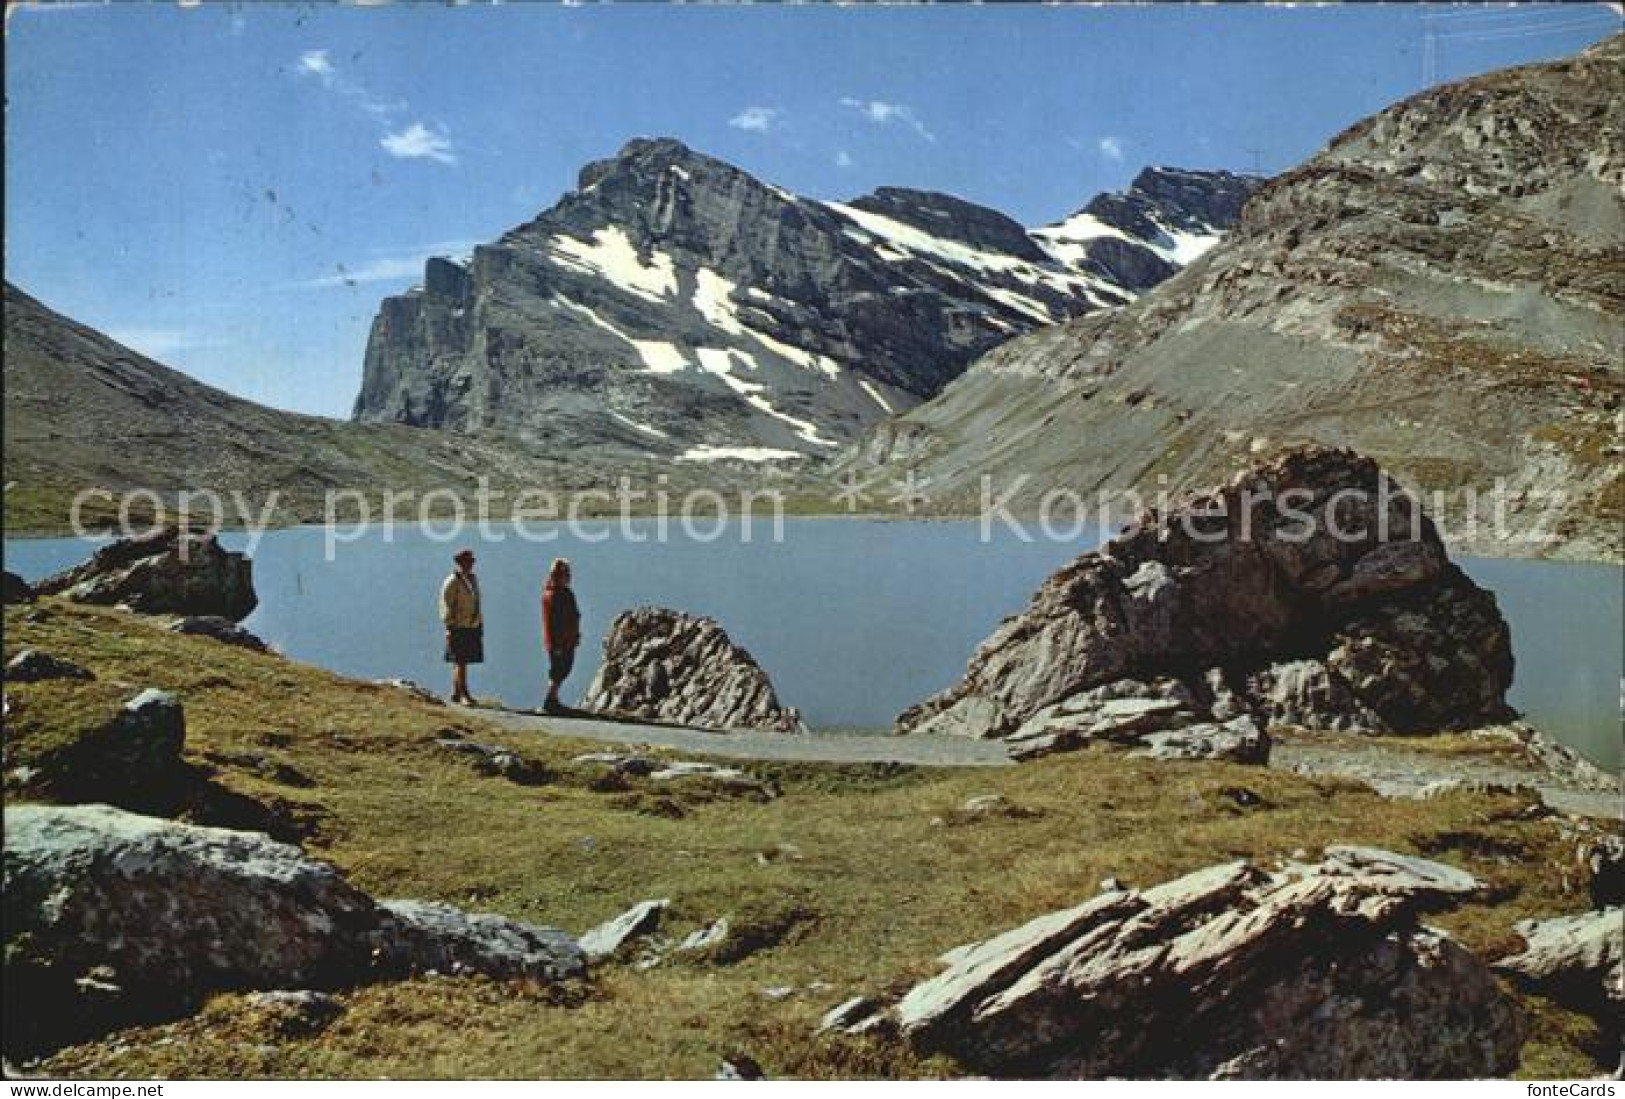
column 233, row 188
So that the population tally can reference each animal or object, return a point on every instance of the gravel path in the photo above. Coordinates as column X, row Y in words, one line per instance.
column 926, row 751
column 1387, row 767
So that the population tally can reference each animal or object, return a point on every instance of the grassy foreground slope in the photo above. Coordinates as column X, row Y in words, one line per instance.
column 851, row 879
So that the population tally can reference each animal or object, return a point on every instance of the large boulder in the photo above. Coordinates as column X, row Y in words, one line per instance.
column 1310, row 590
column 1578, row 959
column 1603, row 859
column 128, row 754
column 111, row 917
column 14, row 589
column 664, row 665
column 1234, row 971
column 426, row 936
column 33, row 665
column 220, row 629
column 168, row 571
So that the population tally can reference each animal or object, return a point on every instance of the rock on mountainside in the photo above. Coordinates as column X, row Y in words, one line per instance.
column 1308, row 591
column 677, row 304
column 664, row 665
column 1314, row 971
column 1439, row 288
column 1578, row 959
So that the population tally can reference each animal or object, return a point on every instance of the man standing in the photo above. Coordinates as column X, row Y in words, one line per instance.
column 465, row 629
column 561, row 630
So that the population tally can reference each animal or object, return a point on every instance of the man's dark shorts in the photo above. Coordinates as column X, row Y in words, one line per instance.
column 559, row 664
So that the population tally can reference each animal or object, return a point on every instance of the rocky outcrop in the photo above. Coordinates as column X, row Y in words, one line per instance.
column 1309, row 589
column 1160, row 719
column 1604, row 861
column 14, row 590
column 429, row 937
column 168, row 571
column 164, row 913
column 619, row 768
column 1437, row 288
column 1578, row 960
column 664, row 665
column 112, row 917
column 125, row 754
column 221, row 629
column 1312, row 971
column 493, row 759
column 609, row 938
column 676, row 305
column 33, row 665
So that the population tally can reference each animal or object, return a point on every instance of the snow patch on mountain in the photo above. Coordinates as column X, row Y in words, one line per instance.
column 719, row 361
column 645, row 428
column 708, row 453
column 879, row 397
column 611, row 256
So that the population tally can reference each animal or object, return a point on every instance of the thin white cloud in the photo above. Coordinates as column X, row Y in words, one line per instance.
column 414, row 141
column 756, row 119
column 882, row 113
column 315, row 63
column 459, row 248
column 843, row 159
column 159, row 343
column 1111, row 147
column 387, row 265
column 378, row 270
column 418, row 142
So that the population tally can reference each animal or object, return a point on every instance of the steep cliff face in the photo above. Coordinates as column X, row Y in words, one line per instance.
column 1441, row 288
column 676, row 303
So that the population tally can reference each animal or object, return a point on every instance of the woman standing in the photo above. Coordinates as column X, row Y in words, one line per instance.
column 465, row 628
column 561, row 630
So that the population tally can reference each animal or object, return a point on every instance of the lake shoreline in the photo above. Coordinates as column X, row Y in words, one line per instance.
column 921, row 594
column 1468, row 547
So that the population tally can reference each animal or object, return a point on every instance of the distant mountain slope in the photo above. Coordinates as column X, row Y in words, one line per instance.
column 675, row 303
column 83, row 411
column 1442, row 287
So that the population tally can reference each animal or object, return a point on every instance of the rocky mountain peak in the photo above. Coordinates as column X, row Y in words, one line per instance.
column 1161, row 199
column 1192, row 199
column 1165, row 219
column 642, row 159
column 680, row 305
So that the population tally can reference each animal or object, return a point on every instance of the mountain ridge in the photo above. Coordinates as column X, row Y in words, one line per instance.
column 1439, row 287
column 677, row 302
